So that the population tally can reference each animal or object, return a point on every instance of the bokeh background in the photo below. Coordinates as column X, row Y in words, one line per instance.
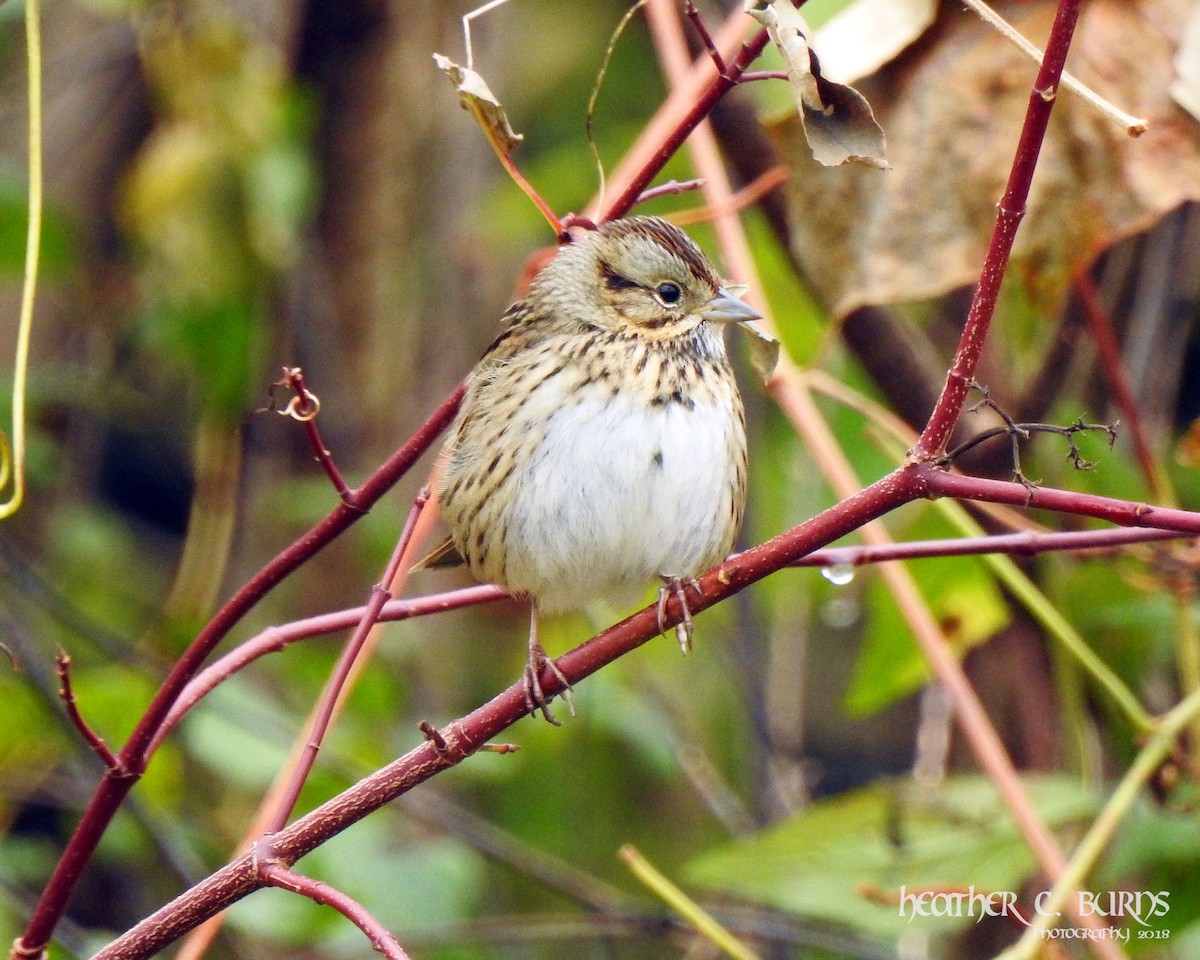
column 239, row 186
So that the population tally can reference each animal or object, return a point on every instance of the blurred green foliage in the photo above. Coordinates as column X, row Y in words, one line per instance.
column 215, row 200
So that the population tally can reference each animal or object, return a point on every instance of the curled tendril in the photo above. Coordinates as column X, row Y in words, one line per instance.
column 303, row 407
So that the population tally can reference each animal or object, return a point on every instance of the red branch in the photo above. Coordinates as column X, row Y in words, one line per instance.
column 277, row 875
column 1012, row 209
column 461, row 738
column 1125, row 513
column 464, row 737
column 275, row 639
column 1027, row 543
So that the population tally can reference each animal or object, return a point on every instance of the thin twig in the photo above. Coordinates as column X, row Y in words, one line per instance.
column 670, row 188
column 693, row 14
column 276, row 638
column 304, row 407
column 93, row 739
column 1026, row 544
column 382, row 941
column 334, row 687
column 1022, row 431
column 1134, row 126
column 734, row 203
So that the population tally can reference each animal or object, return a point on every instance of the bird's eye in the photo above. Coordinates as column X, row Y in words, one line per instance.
column 669, row 292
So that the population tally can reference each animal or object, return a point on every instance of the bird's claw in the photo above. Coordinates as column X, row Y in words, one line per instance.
column 535, row 697
column 678, row 586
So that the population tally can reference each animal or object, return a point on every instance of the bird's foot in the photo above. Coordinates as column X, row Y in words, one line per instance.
column 535, row 696
column 678, row 586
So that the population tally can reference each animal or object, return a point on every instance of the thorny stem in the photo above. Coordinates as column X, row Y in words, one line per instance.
column 134, row 755
column 1008, row 217
column 1021, row 431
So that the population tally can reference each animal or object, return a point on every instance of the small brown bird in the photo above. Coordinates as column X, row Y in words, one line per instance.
column 601, row 443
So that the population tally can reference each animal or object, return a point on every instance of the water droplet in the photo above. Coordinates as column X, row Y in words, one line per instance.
column 839, row 574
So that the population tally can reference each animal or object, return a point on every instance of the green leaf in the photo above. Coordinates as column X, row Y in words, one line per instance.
column 845, row 860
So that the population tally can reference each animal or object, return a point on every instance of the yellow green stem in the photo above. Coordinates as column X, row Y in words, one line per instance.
column 12, row 455
column 1101, row 832
column 1187, row 651
column 684, row 905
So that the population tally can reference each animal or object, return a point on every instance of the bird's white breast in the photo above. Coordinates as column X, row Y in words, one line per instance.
column 617, row 493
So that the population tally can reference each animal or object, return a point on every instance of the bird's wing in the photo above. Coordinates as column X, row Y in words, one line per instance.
column 444, row 555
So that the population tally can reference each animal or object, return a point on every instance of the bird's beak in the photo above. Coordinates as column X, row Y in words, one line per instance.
column 726, row 308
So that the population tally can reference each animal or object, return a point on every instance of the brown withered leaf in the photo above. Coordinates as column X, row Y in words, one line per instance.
column 762, row 348
column 476, row 98
column 837, row 120
column 953, row 105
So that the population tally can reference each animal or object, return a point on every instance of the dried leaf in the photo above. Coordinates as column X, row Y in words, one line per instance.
column 837, row 120
column 476, row 97
column 763, row 349
column 953, row 106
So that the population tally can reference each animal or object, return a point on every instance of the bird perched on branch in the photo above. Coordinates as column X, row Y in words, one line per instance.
column 601, row 442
